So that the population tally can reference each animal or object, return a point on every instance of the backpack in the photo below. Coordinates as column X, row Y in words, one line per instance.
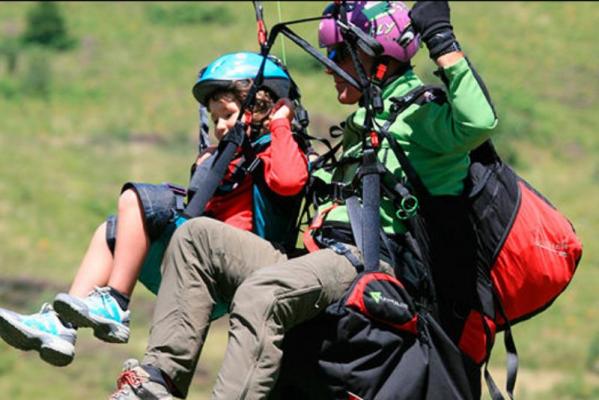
column 526, row 251
column 374, row 343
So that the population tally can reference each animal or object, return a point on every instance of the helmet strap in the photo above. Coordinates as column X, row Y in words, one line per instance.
column 379, row 70
column 381, row 74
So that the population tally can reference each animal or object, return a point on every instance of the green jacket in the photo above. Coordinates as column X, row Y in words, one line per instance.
column 436, row 138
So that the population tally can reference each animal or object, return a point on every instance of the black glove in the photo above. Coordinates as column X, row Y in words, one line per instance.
column 431, row 20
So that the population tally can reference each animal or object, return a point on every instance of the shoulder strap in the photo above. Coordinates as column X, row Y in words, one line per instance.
column 364, row 219
column 211, row 177
column 420, row 95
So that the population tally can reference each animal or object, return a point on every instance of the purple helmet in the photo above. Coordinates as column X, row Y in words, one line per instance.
column 386, row 21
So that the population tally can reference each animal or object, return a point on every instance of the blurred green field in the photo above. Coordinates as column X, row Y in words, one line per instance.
column 119, row 107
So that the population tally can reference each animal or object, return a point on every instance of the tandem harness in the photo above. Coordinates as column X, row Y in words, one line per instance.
column 479, row 211
column 363, row 218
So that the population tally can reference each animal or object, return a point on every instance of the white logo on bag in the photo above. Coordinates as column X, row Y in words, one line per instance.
column 558, row 248
column 378, row 298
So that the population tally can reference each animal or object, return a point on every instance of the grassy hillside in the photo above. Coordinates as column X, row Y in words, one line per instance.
column 75, row 125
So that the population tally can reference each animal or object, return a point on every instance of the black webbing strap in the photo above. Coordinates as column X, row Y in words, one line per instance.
column 314, row 53
column 511, row 356
column 416, row 96
column 371, row 200
column 211, row 177
column 367, row 237
column 512, row 368
column 364, row 219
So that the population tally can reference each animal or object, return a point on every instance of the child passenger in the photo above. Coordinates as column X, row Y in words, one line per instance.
column 265, row 202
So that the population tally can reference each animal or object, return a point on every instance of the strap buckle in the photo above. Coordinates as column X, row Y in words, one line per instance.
column 341, row 191
column 253, row 165
column 342, row 250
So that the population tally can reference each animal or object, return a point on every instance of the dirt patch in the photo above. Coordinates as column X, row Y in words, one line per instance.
column 538, row 381
column 20, row 292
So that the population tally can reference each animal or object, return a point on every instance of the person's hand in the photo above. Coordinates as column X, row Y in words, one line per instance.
column 204, row 155
column 283, row 108
column 431, row 19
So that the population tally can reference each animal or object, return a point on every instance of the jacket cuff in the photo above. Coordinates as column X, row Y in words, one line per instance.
column 278, row 124
column 456, row 69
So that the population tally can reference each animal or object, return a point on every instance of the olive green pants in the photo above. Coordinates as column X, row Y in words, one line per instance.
column 208, row 262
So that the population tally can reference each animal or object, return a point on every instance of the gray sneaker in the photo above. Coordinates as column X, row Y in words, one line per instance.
column 134, row 384
column 99, row 311
column 42, row 332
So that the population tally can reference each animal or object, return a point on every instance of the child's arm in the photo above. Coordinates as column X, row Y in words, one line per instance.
column 285, row 165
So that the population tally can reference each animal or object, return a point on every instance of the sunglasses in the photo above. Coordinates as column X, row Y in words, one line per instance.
column 338, row 54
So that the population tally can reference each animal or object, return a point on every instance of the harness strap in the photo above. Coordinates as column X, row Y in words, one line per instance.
column 511, row 355
column 308, row 238
column 342, row 249
column 417, row 96
column 211, row 177
column 371, row 199
column 512, row 367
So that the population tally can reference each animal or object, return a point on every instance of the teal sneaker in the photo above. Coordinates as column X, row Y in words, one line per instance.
column 99, row 311
column 42, row 332
column 135, row 383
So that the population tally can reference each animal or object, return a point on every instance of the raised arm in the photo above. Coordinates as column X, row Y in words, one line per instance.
column 285, row 165
column 469, row 114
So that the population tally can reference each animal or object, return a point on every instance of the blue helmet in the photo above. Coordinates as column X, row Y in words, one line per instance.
column 239, row 66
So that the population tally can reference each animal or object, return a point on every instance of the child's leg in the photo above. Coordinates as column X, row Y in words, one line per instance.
column 132, row 244
column 96, row 266
column 99, row 267
column 144, row 211
column 105, row 309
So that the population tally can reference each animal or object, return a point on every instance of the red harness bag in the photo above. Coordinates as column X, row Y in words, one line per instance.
column 537, row 259
column 527, row 253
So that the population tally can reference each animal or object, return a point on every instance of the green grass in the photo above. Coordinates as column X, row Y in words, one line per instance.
column 118, row 107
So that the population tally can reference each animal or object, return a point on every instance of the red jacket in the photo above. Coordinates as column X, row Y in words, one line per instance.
column 285, row 169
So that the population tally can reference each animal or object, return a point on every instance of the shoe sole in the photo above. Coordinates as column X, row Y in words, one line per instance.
column 50, row 350
column 104, row 329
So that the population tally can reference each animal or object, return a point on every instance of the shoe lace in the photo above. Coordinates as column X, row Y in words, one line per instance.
column 101, row 295
column 46, row 313
column 101, row 292
column 128, row 378
column 46, row 308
